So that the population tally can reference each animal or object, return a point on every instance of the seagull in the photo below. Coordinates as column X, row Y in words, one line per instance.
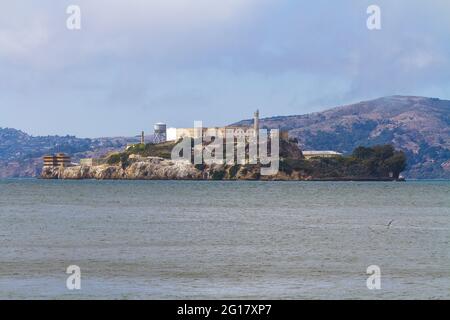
column 389, row 224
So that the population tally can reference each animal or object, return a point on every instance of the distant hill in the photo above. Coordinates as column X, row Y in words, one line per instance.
column 417, row 125
column 20, row 153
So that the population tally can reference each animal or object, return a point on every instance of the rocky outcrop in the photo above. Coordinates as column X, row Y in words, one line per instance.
column 380, row 163
column 148, row 168
column 419, row 126
column 155, row 168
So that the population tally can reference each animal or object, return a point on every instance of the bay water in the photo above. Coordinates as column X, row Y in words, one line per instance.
column 224, row 240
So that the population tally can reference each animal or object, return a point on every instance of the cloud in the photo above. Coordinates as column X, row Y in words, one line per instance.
column 20, row 43
column 168, row 30
column 180, row 59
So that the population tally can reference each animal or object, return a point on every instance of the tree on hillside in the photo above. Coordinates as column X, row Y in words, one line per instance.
column 396, row 163
column 381, row 160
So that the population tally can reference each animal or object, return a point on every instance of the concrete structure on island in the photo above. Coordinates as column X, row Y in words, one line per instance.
column 174, row 134
column 57, row 160
column 256, row 122
column 89, row 162
column 159, row 132
column 321, row 154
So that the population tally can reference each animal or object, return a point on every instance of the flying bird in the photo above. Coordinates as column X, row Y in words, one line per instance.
column 389, row 224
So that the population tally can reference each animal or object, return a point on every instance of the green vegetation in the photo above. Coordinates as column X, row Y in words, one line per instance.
column 381, row 160
column 218, row 175
column 162, row 150
column 113, row 159
column 291, row 165
column 234, row 171
column 118, row 158
column 200, row 167
column 378, row 162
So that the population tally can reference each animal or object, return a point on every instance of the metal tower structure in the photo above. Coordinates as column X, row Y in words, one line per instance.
column 160, row 132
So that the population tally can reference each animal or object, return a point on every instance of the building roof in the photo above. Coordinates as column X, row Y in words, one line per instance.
column 326, row 152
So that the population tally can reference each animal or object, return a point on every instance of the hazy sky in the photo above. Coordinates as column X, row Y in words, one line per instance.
column 137, row 62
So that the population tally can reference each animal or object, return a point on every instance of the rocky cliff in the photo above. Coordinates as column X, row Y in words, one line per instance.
column 156, row 168
column 419, row 126
column 378, row 163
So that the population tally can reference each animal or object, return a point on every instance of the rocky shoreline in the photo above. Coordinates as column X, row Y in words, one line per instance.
column 153, row 162
column 156, row 168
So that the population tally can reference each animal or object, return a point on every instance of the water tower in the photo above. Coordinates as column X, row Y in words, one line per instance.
column 160, row 132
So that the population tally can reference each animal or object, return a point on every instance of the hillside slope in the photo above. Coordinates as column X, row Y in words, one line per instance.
column 417, row 125
column 20, row 153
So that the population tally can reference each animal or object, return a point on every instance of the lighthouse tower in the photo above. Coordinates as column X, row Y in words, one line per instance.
column 256, row 122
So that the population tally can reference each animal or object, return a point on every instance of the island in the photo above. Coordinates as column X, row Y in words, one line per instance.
column 153, row 161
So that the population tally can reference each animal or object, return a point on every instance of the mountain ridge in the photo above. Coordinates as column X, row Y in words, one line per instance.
column 20, row 153
column 420, row 126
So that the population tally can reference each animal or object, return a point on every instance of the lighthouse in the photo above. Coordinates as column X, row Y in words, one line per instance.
column 256, row 122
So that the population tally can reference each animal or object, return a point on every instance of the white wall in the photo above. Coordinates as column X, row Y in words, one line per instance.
column 171, row 134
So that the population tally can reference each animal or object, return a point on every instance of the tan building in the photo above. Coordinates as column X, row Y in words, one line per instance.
column 89, row 162
column 174, row 134
column 57, row 160
column 321, row 154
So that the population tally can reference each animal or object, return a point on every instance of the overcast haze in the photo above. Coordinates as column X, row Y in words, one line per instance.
column 137, row 62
